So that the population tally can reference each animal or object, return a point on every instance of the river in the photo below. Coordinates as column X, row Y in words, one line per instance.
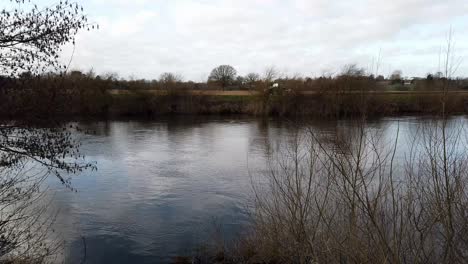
column 163, row 187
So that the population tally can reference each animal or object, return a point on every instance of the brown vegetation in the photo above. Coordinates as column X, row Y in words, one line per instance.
column 341, row 197
column 86, row 95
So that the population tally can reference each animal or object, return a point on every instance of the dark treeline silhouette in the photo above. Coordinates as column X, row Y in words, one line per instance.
column 225, row 77
column 85, row 94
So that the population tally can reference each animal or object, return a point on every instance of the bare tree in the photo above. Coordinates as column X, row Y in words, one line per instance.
column 169, row 77
column 270, row 74
column 396, row 75
column 223, row 74
column 168, row 80
column 252, row 77
column 30, row 41
column 31, row 38
column 352, row 70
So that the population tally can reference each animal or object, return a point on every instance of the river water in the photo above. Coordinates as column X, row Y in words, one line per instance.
column 163, row 187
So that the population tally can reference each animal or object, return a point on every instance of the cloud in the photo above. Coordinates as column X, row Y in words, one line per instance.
column 144, row 38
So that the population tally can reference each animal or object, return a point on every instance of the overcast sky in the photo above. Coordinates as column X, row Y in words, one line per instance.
column 143, row 38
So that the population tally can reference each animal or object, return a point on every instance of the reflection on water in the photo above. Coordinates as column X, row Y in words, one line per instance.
column 161, row 185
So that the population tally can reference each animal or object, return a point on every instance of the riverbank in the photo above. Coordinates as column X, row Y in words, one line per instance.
column 87, row 96
column 309, row 103
column 104, row 103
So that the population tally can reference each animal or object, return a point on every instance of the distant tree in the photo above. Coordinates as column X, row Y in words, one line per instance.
column 111, row 76
column 270, row 74
column 252, row 77
column 169, row 77
column 169, row 80
column 76, row 74
column 396, row 75
column 91, row 74
column 240, row 81
column 352, row 70
column 327, row 74
column 223, row 74
column 380, row 78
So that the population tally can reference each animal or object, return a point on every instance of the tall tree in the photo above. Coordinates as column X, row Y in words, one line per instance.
column 223, row 74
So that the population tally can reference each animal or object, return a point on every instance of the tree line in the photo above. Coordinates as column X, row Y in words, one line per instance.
column 225, row 77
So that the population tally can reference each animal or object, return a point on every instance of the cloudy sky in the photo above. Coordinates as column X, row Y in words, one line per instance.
column 143, row 38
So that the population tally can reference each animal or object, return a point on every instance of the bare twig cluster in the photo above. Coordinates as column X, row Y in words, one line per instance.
column 341, row 199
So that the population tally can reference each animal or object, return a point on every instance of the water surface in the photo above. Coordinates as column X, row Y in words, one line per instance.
column 162, row 187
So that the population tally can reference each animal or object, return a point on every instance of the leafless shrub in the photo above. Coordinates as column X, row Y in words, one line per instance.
column 340, row 199
column 25, row 217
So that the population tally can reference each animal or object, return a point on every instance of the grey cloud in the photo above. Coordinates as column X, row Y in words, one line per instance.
column 190, row 37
